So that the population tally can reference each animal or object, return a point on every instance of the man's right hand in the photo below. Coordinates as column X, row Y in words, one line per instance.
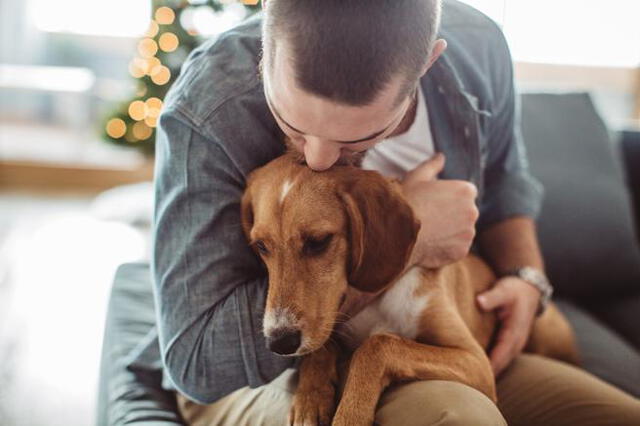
column 446, row 210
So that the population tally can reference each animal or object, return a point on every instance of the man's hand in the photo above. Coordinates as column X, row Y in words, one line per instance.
column 447, row 211
column 516, row 302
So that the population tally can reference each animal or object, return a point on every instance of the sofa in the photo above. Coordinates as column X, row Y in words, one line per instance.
column 587, row 234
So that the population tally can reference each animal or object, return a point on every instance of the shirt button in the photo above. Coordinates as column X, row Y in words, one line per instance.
column 466, row 132
column 441, row 89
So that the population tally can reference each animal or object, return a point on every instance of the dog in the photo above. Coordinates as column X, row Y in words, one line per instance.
column 319, row 233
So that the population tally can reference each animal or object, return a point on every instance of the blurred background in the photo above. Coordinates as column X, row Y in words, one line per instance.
column 81, row 86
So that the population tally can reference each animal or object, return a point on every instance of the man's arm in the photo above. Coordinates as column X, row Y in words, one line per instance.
column 511, row 201
column 209, row 287
column 510, row 244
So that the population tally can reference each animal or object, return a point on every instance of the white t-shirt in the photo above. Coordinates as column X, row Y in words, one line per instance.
column 395, row 156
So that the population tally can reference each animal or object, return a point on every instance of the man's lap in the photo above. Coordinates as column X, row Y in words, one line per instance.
column 534, row 390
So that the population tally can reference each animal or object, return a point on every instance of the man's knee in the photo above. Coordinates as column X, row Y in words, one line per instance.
column 436, row 402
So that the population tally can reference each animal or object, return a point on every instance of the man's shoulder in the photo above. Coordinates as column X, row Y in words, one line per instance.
column 220, row 69
column 460, row 18
column 476, row 49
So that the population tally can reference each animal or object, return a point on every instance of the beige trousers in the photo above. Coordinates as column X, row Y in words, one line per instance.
column 533, row 391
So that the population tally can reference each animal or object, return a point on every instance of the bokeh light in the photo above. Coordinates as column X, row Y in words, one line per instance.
column 165, row 15
column 137, row 67
column 162, row 76
column 141, row 131
column 168, row 42
column 152, row 65
column 151, row 121
column 147, row 47
column 154, row 105
column 137, row 110
column 153, row 29
column 116, row 128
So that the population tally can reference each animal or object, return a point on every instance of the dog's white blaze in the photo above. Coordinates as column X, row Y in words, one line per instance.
column 286, row 186
column 398, row 311
column 278, row 318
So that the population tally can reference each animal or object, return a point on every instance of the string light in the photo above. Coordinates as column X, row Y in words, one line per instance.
column 154, row 105
column 151, row 121
column 130, row 137
column 136, row 68
column 137, row 110
column 147, row 47
column 116, row 128
column 141, row 131
column 168, row 42
column 162, row 76
column 153, row 65
column 165, row 15
column 153, row 29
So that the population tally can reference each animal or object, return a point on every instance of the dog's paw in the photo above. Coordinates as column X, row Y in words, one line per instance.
column 313, row 408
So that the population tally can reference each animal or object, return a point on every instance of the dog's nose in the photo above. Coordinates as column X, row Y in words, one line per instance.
column 284, row 341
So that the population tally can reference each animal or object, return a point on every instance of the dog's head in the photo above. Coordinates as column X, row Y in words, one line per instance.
column 317, row 233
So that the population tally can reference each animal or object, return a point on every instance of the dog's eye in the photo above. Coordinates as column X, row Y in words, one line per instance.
column 314, row 246
column 261, row 247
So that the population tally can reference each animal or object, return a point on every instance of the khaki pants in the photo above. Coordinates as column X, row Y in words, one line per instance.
column 533, row 391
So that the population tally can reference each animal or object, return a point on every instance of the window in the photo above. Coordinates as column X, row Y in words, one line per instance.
column 119, row 18
column 574, row 32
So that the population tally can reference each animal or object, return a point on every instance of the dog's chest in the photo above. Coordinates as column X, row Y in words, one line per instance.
column 397, row 311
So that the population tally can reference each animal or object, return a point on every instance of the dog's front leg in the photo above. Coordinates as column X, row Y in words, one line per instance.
column 314, row 399
column 386, row 358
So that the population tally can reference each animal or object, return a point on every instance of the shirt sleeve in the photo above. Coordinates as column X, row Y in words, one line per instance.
column 209, row 287
column 509, row 188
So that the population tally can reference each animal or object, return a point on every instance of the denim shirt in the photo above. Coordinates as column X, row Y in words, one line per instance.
column 215, row 128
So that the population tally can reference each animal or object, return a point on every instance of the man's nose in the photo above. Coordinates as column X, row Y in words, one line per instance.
column 284, row 341
column 320, row 154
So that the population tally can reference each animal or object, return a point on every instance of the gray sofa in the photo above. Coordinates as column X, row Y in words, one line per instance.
column 586, row 232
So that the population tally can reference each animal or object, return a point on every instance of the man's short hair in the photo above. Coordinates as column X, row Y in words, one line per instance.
column 349, row 50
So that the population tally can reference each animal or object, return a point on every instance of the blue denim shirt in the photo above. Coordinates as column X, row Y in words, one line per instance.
column 216, row 128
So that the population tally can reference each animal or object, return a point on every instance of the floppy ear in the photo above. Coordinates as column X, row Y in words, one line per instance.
column 382, row 230
column 246, row 212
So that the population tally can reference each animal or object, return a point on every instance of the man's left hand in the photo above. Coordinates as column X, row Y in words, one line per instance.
column 516, row 302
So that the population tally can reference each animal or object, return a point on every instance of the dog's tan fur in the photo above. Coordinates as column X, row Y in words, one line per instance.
column 373, row 232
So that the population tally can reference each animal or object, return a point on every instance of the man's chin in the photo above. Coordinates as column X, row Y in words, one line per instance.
column 354, row 159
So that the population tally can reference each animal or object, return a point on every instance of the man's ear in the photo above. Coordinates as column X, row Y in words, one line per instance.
column 439, row 46
column 382, row 230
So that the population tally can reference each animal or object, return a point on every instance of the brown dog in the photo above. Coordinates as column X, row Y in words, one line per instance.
column 318, row 233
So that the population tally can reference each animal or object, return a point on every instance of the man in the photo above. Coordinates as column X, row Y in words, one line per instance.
column 346, row 80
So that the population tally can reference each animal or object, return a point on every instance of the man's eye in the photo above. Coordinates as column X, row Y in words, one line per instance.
column 315, row 246
column 262, row 248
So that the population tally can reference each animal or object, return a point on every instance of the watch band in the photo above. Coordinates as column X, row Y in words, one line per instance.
column 539, row 280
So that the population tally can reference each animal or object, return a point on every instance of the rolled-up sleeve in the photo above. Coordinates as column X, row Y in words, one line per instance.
column 209, row 287
column 509, row 188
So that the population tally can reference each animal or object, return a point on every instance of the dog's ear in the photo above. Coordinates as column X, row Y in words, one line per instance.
column 382, row 229
column 246, row 212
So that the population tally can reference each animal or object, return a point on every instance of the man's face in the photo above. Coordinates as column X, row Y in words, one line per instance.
column 325, row 131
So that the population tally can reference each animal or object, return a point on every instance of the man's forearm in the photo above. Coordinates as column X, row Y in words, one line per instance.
column 511, row 244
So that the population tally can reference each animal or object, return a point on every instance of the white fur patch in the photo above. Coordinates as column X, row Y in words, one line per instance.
column 398, row 311
column 278, row 318
column 286, row 187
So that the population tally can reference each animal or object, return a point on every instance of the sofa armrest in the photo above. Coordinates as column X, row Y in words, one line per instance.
column 630, row 145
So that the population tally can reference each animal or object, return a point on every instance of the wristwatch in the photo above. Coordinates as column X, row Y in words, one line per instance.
column 539, row 280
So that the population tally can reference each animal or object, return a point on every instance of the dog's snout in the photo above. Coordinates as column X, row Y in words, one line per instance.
column 284, row 341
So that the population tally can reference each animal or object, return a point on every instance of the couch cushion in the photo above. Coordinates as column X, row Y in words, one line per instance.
column 585, row 227
column 129, row 395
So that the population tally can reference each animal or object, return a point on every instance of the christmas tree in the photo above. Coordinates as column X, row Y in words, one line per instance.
column 171, row 35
